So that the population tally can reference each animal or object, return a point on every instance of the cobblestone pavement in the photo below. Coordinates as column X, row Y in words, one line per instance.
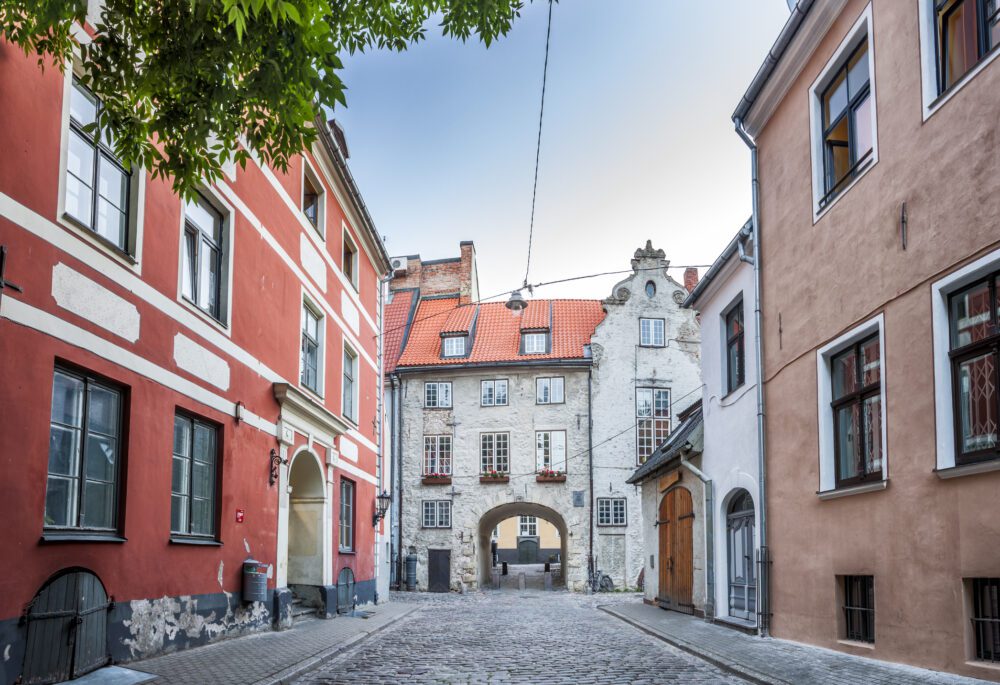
column 506, row 637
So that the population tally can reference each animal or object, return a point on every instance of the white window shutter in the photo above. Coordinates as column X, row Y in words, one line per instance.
column 559, row 451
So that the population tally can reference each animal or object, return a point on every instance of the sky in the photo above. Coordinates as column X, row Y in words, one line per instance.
column 637, row 140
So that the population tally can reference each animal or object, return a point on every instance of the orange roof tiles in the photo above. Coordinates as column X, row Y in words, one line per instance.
column 497, row 335
column 397, row 313
column 459, row 320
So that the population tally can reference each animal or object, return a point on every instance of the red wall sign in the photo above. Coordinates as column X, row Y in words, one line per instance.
column 239, row 516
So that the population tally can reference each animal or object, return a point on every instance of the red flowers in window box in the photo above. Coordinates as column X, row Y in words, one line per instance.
column 550, row 476
column 436, row 479
column 494, row 477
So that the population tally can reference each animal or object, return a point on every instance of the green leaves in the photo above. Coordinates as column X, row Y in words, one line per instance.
column 189, row 85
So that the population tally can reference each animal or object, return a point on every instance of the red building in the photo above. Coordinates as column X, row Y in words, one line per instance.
column 185, row 385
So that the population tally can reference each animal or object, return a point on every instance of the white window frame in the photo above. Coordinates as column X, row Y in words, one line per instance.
column 944, row 408
column 493, row 384
column 348, row 240
column 317, row 312
column 556, row 443
column 308, row 171
column 450, row 350
column 933, row 100
column 608, row 513
column 534, row 338
column 527, row 526
column 545, row 390
column 439, row 510
column 347, row 511
column 224, row 322
column 852, row 40
column 436, row 441
column 438, row 386
column 824, row 396
column 347, row 349
column 137, row 185
column 648, row 325
column 652, row 417
column 489, row 459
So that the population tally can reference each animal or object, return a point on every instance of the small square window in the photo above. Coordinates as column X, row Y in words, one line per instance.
column 436, row 514
column 859, row 608
column 437, row 395
column 652, row 332
column 493, row 393
column 535, row 343
column 453, row 346
column 986, row 618
column 611, row 511
column 549, row 390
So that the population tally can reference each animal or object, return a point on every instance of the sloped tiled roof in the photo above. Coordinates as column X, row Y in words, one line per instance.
column 497, row 332
column 535, row 315
column 459, row 320
column 397, row 315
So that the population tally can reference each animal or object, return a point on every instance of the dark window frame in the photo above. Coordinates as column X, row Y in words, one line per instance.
column 315, row 345
column 118, row 510
column 986, row 619
column 858, row 396
column 736, row 340
column 349, row 385
column 351, row 516
column 204, row 241
column 349, row 259
column 989, row 345
column 984, row 20
column 833, row 187
column 859, row 608
column 312, row 203
column 216, row 480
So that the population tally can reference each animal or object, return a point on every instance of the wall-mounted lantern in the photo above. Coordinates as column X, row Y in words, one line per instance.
column 276, row 461
column 382, row 503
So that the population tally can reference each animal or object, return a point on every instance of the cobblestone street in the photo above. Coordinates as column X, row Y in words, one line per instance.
column 530, row 637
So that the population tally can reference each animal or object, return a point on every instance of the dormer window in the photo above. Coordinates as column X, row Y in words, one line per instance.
column 453, row 346
column 534, row 343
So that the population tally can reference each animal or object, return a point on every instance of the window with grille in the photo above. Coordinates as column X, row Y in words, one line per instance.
column 550, row 390
column 311, row 332
column 611, row 511
column 193, row 484
column 986, row 618
column 550, row 451
column 493, row 393
column 494, row 449
column 346, row 515
column 652, row 411
column 859, row 608
column 437, row 454
column 437, row 395
column 975, row 351
column 652, row 332
column 735, row 353
column 857, row 412
column 436, row 514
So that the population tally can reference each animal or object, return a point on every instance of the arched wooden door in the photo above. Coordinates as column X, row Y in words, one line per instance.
column 676, row 524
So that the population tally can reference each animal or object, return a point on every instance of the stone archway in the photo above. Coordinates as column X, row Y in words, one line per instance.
column 306, row 520
column 489, row 520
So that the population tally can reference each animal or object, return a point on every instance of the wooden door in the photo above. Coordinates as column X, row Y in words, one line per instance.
column 438, row 570
column 676, row 523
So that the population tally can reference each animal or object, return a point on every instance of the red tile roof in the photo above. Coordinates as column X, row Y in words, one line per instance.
column 459, row 320
column 397, row 313
column 497, row 336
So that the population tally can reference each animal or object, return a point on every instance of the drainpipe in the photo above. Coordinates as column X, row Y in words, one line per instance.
column 397, row 472
column 763, row 604
column 709, row 535
column 590, row 468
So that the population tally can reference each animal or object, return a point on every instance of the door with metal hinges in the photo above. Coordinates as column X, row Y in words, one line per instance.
column 676, row 523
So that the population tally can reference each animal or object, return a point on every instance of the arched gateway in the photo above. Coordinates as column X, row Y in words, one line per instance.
column 489, row 520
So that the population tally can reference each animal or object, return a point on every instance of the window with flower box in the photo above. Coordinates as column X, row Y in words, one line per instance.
column 494, row 450
column 437, row 455
column 550, row 451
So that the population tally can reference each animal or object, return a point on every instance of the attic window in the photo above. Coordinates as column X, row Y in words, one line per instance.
column 534, row 343
column 453, row 346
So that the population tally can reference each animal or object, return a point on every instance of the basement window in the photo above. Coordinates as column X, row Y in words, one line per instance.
column 859, row 608
column 986, row 618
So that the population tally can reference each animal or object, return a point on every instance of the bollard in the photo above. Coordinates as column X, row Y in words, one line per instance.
column 504, row 566
column 547, row 567
column 548, row 580
column 495, row 577
column 521, row 581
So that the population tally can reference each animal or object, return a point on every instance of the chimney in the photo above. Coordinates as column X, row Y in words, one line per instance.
column 690, row 278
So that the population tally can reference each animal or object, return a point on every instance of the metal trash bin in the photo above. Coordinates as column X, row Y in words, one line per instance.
column 254, row 581
column 411, row 572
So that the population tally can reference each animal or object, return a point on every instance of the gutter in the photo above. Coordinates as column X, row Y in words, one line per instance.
column 763, row 604
column 561, row 363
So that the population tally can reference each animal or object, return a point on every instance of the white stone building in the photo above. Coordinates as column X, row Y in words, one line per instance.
column 645, row 370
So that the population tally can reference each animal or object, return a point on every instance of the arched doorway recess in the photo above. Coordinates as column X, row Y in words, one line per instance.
column 489, row 520
column 306, row 520
column 740, row 552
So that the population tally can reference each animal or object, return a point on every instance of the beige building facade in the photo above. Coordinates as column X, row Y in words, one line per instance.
column 879, row 226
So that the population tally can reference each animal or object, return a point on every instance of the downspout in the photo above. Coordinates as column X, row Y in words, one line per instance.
column 397, row 474
column 590, row 467
column 380, row 419
column 763, row 605
column 709, row 535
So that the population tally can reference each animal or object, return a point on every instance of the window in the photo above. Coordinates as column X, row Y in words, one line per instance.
column 846, row 106
column 437, row 395
column 986, row 618
column 975, row 352
column 735, row 354
column 549, row 390
column 650, row 289
column 859, row 608
column 550, row 451
column 84, row 453
column 966, row 31
column 535, row 343
column 494, row 450
column 202, row 265
column 350, row 260
column 493, row 393
column 856, row 376
column 350, row 376
column 527, row 526
column 193, row 490
column 313, row 205
column 651, row 333
column 453, row 346
column 652, row 411
column 611, row 511
column 346, row 515
column 437, row 454
column 98, row 188
column 437, row 514
column 311, row 332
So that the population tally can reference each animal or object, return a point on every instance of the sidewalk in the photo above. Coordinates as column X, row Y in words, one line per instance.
column 273, row 657
column 768, row 661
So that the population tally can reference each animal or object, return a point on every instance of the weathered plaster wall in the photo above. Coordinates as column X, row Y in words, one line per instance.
column 650, row 497
column 621, row 366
